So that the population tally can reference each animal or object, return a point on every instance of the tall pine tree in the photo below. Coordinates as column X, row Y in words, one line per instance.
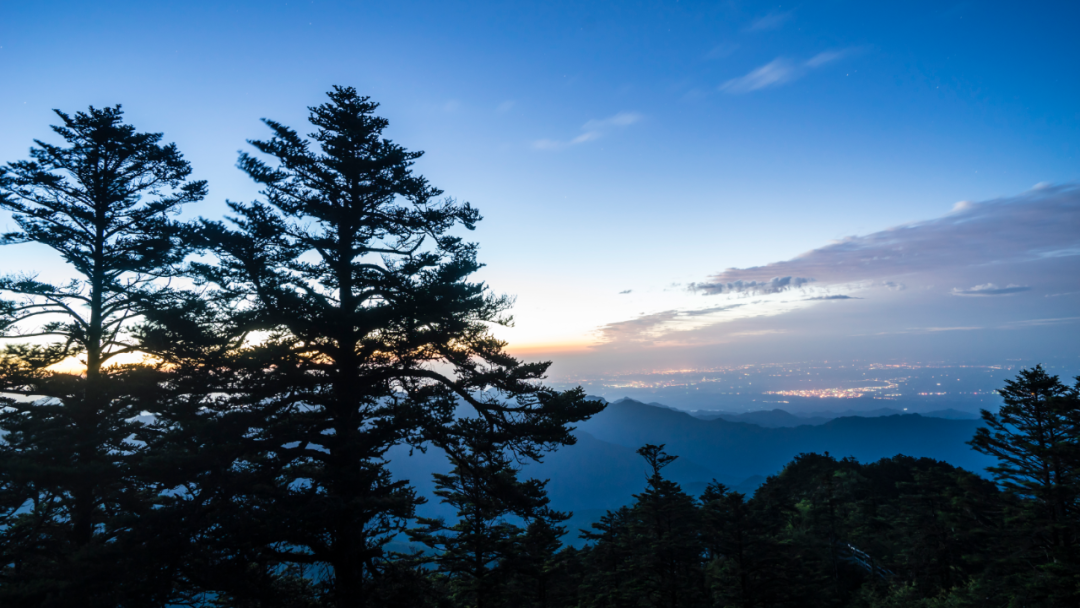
column 1035, row 436
column 352, row 280
column 101, row 200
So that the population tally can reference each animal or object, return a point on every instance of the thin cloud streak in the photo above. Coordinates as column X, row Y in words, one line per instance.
column 773, row 285
column 772, row 74
column 771, row 21
column 989, row 289
column 824, row 58
column 780, row 71
column 593, row 130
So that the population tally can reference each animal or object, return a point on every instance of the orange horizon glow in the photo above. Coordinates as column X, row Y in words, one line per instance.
column 543, row 348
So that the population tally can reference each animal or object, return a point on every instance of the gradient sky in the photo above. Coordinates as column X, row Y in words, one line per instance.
column 647, row 169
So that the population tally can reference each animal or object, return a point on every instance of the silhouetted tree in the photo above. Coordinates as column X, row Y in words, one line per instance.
column 651, row 554
column 101, row 201
column 369, row 335
column 1035, row 436
column 485, row 554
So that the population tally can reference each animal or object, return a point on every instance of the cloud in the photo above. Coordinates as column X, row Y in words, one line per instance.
column 990, row 289
column 773, row 20
column 708, row 311
column 780, row 71
column 636, row 330
column 824, row 58
column 505, row 106
column 1036, row 225
column 773, row 285
column 648, row 327
column 775, row 73
column 1025, row 243
column 622, row 119
column 592, row 130
column 624, row 292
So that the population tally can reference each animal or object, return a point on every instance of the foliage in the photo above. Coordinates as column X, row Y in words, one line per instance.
column 69, row 491
column 649, row 554
column 352, row 274
column 487, row 557
column 1036, row 438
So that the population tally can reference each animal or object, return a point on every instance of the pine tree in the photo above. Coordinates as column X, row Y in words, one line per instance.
column 486, row 554
column 1035, row 436
column 365, row 333
column 651, row 554
column 101, row 202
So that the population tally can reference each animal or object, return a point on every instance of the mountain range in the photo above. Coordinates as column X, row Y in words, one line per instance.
column 603, row 471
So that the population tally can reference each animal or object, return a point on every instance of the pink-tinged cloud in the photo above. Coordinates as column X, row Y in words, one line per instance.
column 1039, row 224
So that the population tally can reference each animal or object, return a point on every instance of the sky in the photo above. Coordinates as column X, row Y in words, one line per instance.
column 664, row 184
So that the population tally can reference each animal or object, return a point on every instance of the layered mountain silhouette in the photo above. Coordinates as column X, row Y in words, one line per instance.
column 739, row 449
column 603, row 471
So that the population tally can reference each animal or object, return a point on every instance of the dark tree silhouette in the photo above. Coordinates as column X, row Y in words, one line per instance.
column 651, row 554
column 370, row 335
column 1036, row 438
column 101, row 201
column 485, row 554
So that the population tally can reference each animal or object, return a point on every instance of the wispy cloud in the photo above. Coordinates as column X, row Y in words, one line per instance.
column 779, row 71
column 1005, row 247
column 1039, row 224
column 636, row 330
column 773, row 285
column 591, row 131
column 771, row 21
column 989, row 289
column 824, row 58
column 647, row 328
column 775, row 73
column 622, row 119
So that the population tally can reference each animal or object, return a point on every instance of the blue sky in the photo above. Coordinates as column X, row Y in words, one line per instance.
column 649, row 148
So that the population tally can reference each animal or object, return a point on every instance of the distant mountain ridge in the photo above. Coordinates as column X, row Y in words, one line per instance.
column 781, row 418
column 603, row 471
column 739, row 449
